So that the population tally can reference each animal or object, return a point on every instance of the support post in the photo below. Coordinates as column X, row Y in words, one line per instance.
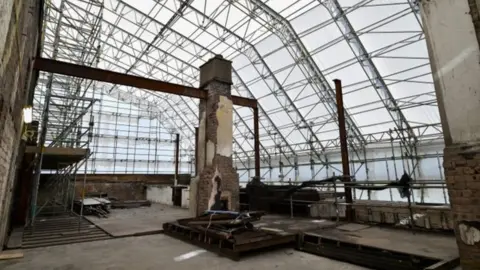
column 196, row 151
column 256, row 142
column 177, row 154
column 344, row 149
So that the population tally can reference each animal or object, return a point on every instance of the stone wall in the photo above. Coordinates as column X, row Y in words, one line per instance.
column 19, row 28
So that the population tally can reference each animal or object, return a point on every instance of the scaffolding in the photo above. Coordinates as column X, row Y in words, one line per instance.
column 278, row 60
column 64, row 106
column 109, row 130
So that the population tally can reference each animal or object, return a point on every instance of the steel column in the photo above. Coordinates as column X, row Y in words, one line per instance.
column 196, row 151
column 344, row 148
column 257, row 142
column 177, row 161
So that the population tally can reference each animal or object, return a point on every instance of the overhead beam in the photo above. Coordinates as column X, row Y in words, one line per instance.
column 96, row 74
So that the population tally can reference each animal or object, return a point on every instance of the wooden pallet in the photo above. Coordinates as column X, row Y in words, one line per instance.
column 241, row 244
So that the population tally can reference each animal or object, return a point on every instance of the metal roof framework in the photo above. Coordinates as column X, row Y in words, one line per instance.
column 284, row 54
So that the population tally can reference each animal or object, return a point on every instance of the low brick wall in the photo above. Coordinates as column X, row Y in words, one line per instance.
column 397, row 213
column 389, row 213
column 120, row 191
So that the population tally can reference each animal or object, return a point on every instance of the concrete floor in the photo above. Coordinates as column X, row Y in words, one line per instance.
column 159, row 252
column 128, row 222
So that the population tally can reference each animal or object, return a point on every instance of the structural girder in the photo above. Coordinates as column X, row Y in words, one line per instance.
column 262, row 68
column 376, row 79
column 236, row 75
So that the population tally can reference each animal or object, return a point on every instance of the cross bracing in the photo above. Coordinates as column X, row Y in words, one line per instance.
column 285, row 54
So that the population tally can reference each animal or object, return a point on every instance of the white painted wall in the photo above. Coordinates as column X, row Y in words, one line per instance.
column 160, row 194
column 163, row 194
column 455, row 58
column 186, row 197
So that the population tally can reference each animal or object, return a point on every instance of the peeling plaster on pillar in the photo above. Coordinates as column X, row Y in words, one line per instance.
column 210, row 153
column 201, row 141
column 225, row 127
column 218, row 172
column 455, row 67
column 193, row 206
column 469, row 234
column 214, row 190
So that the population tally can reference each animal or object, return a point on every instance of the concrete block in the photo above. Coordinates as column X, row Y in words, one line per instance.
column 186, row 198
column 216, row 68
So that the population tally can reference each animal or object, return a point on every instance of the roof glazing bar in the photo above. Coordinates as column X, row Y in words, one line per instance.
column 371, row 71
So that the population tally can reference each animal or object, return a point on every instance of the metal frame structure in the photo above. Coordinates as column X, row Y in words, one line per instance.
column 281, row 58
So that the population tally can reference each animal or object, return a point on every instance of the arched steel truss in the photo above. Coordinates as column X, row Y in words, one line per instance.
column 138, row 39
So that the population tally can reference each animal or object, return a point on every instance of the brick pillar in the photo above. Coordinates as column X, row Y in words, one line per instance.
column 462, row 170
column 217, row 182
column 451, row 29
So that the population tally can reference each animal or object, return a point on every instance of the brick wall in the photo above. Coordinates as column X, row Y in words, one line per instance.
column 19, row 32
column 120, row 191
column 462, row 171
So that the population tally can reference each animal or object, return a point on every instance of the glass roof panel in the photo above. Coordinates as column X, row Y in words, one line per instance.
column 169, row 40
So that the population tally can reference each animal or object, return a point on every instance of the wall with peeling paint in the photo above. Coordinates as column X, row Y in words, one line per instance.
column 225, row 127
column 455, row 60
column 452, row 31
column 159, row 194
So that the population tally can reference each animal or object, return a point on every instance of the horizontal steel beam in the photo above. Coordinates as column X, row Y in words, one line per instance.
column 49, row 65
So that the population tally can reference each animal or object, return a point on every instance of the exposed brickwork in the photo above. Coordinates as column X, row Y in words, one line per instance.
column 120, row 191
column 215, row 89
column 462, row 170
column 229, row 184
column 21, row 30
column 224, row 165
column 152, row 179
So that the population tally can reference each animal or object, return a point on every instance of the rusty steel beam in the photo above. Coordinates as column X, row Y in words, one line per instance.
column 196, row 151
column 177, row 155
column 344, row 149
column 69, row 69
column 256, row 135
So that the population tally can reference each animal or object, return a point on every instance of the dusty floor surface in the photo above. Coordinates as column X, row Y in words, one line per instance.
column 160, row 252
column 126, row 222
